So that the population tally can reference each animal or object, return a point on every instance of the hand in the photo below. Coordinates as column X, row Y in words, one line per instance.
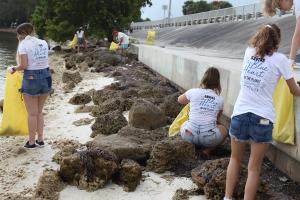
column 11, row 70
column 292, row 63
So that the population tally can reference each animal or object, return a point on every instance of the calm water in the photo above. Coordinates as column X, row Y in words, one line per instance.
column 8, row 46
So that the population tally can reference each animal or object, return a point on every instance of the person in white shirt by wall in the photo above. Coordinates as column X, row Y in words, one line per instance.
column 122, row 39
column 32, row 58
column 270, row 8
column 206, row 106
column 81, row 39
column 254, row 114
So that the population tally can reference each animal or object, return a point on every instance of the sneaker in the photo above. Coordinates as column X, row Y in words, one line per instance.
column 29, row 146
column 42, row 143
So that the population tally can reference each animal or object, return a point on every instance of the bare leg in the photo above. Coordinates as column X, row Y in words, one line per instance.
column 40, row 122
column 32, row 110
column 233, row 170
column 258, row 152
column 224, row 134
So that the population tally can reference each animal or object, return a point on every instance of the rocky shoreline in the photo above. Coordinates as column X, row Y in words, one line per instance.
column 128, row 137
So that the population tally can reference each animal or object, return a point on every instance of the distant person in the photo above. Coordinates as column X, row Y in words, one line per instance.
column 206, row 106
column 32, row 57
column 122, row 39
column 254, row 114
column 270, row 8
column 81, row 39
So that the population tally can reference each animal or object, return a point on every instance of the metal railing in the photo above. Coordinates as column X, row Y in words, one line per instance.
column 246, row 12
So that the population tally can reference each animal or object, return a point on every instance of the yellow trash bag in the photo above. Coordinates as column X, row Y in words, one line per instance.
column 180, row 119
column 114, row 46
column 14, row 120
column 284, row 128
column 151, row 37
column 74, row 42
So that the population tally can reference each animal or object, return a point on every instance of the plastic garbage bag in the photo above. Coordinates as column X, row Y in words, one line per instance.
column 151, row 37
column 114, row 46
column 15, row 118
column 74, row 42
column 284, row 128
column 180, row 119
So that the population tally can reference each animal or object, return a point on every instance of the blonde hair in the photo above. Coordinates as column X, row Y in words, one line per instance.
column 271, row 6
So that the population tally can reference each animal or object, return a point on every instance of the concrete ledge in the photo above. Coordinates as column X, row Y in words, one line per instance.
column 186, row 68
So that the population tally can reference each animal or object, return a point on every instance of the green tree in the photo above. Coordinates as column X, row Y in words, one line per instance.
column 59, row 19
column 16, row 11
column 191, row 7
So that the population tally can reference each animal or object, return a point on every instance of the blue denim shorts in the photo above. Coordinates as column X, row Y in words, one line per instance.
column 248, row 127
column 202, row 135
column 36, row 82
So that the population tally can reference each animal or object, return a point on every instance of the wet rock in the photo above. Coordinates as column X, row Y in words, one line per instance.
column 144, row 114
column 110, row 105
column 1, row 105
column 170, row 106
column 130, row 175
column 83, row 122
column 84, row 109
column 80, row 99
column 129, row 143
column 49, row 186
column 168, row 153
column 66, row 148
column 70, row 76
column 89, row 170
column 108, row 124
column 211, row 177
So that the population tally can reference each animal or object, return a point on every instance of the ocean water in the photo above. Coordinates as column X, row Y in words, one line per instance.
column 8, row 47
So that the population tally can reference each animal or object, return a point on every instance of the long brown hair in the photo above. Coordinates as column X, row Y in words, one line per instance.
column 25, row 29
column 266, row 41
column 270, row 7
column 211, row 80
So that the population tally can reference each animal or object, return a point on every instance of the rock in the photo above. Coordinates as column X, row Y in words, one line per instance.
column 89, row 170
column 102, row 43
column 144, row 114
column 168, row 153
column 129, row 143
column 70, row 65
column 49, row 186
column 71, row 76
column 108, row 124
column 100, row 96
column 130, row 175
column 112, row 105
column 84, row 109
column 170, row 106
column 19, row 150
column 57, row 48
column 84, row 67
column 83, row 122
column 80, row 99
column 182, row 194
column 110, row 58
column 69, row 86
column 211, row 177
column 1, row 105
column 66, row 148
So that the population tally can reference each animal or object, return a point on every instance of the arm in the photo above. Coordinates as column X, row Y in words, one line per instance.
column 182, row 99
column 121, row 40
column 219, row 115
column 296, row 40
column 294, row 89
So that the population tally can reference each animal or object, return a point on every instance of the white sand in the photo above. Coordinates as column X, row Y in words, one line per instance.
column 20, row 169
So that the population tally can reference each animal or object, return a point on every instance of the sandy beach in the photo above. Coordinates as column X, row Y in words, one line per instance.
column 20, row 168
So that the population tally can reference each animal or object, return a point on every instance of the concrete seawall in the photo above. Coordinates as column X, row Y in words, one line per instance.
column 185, row 67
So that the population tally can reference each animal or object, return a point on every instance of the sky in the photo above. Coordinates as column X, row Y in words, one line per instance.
column 155, row 12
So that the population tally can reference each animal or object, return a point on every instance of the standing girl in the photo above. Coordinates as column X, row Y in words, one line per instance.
column 206, row 106
column 32, row 57
column 254, row 114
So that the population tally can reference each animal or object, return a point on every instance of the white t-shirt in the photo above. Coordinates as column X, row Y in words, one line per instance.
column 124, row 36
column 297, row 7
column 80, row 34
column 205, row 106
column 36, row 51
column 258, row 82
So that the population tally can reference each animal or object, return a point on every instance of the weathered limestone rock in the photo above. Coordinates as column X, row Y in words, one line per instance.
column 66, row 148
column 166, row 154
column 83, row 122
column 109, row 124
column 69, row 86
column 80, row 99
column 130, row 175
column 170, row 106
column 49, row 186
column 110, row 105
column 89, row 170
column 144, row 114
column 84, row 109
column 71, row 76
